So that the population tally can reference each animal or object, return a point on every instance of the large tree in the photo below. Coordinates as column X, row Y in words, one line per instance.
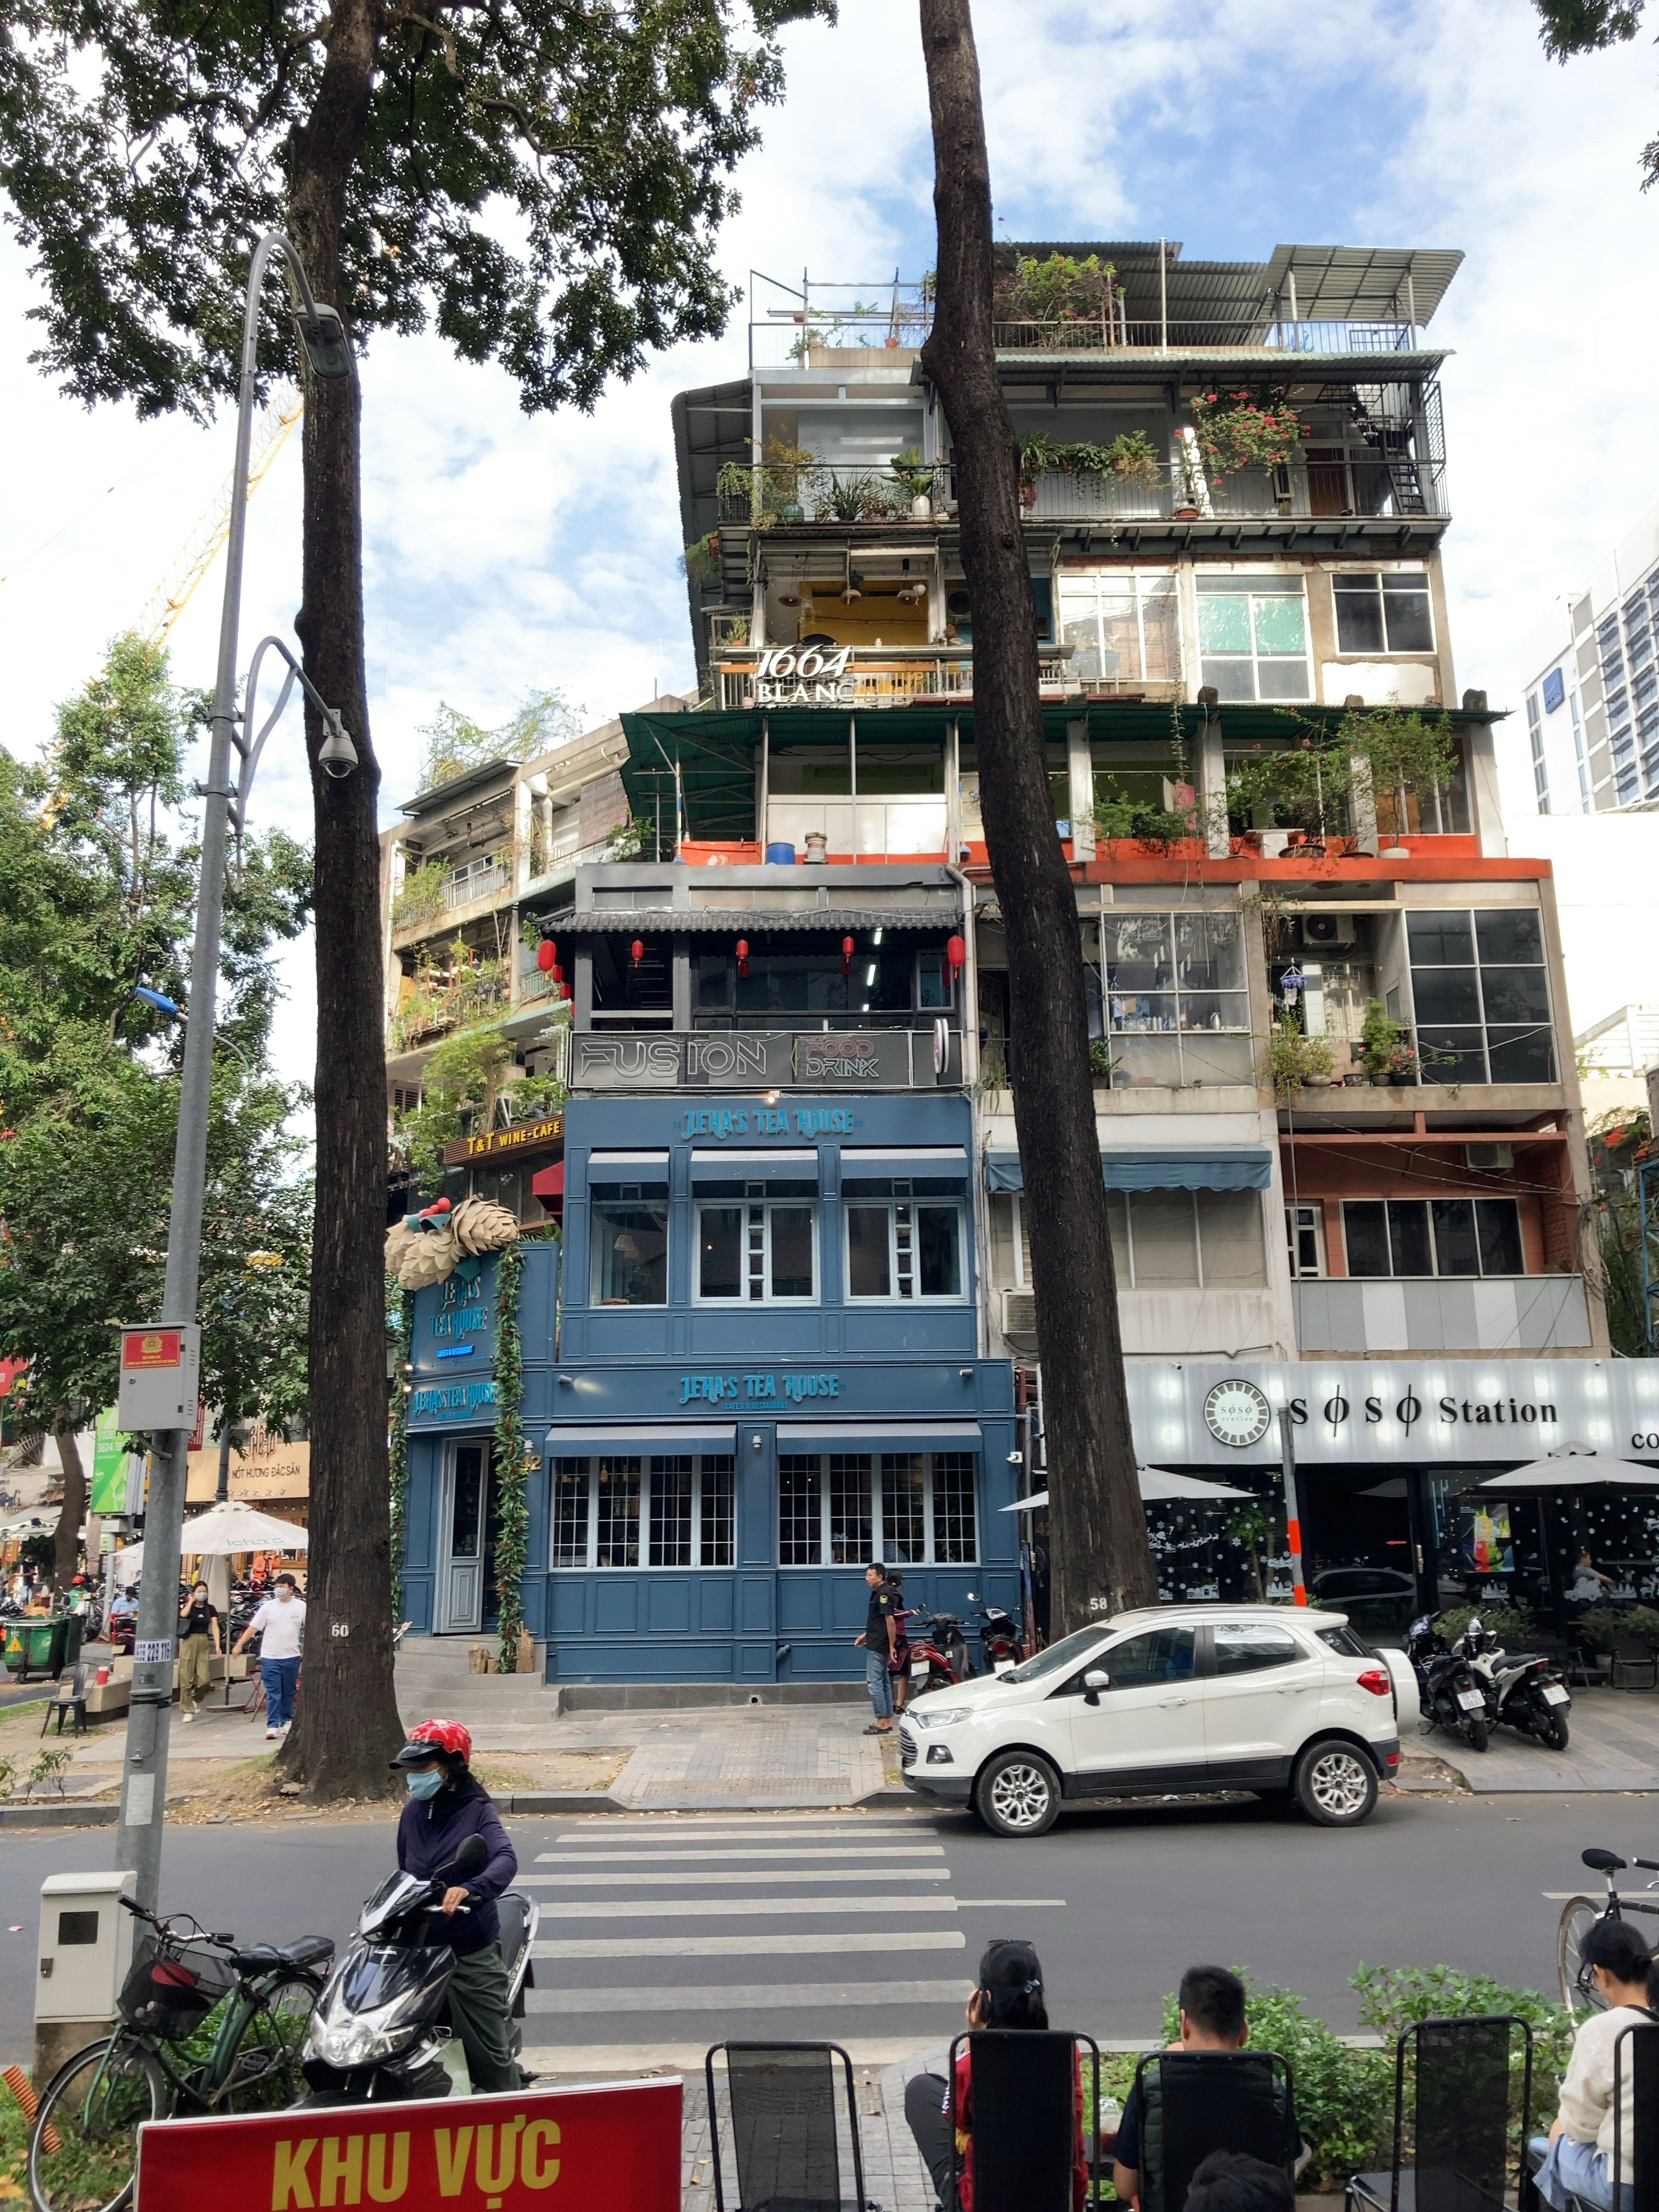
column 1099, row 1552
column 97, row 889
column 544, row 181
column 1586, row 27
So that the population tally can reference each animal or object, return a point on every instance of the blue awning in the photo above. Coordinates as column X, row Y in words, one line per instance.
column 1242, row 1167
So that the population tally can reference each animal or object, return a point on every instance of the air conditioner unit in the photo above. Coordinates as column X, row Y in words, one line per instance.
column 1488, row 1159
column 1327, row 929
column 1019, row 1314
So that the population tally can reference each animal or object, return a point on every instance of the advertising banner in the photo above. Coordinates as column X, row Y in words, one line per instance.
column 109, row 1466
column 548, row 2150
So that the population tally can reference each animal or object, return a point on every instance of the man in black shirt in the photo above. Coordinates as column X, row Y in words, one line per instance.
column 880, row 1641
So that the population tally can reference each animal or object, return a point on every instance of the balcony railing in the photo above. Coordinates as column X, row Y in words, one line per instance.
column 1496, row 1314
column 773, row 676
column 891, row 336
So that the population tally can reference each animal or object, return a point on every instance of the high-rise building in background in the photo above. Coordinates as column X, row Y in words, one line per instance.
column 1592, row 710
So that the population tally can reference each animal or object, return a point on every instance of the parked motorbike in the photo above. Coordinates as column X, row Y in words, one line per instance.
column 1450, row 1696
column 1521, row 1688
column 999, row 1640
column 938, row 1651
column 375, row 2036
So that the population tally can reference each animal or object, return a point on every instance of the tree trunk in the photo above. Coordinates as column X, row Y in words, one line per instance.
column 1101, row 1561
column 346, row 1723
column 66, row 1540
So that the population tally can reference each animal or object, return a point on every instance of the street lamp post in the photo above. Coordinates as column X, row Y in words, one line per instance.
column 143, row 1788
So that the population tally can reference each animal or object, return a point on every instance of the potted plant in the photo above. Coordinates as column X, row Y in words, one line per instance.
column 1380, row 1042
column 1293, row 1061
column 1248, row 428
column 915, row 478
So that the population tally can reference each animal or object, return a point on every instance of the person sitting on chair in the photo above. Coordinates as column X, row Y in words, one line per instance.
column 1009, row 1994
column 1211, row 2002
column 1577, row 2153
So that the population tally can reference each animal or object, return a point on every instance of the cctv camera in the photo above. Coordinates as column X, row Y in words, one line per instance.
column 337, row 756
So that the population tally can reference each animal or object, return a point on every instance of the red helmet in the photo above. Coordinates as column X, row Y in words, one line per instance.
column 432, row 1736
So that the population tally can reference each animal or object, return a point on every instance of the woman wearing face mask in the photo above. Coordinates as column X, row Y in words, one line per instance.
column 446, row 1805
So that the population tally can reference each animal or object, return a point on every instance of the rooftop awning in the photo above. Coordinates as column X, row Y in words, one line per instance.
column 868, row 1434
column 666, row 1436
column 738, row 921
column 1241, row 1167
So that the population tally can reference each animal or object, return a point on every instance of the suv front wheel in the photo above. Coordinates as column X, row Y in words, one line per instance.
column 1336, row 1783
column 1017, row 1794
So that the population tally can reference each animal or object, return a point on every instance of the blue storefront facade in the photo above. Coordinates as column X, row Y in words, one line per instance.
column 760, row 1370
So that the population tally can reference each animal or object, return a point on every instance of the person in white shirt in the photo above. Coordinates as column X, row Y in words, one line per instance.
column 1577, row 2156
column 280, row 1622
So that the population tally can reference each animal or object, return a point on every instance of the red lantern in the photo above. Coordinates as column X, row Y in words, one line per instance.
column 546, row 953
column 637, row 951
column 845, row 954
column 557, row 973
column 956, row 953
column 743, row 956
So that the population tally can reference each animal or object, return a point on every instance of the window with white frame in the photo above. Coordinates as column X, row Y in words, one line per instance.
column 757, row 1248
column 904, row 1239
column 1385, row 610
column 1304, row 1231
column 1161, row 1239
column 628, row 1240
column 832, row 1505
column 1253, row 636
column 1124, row 625
column 627, row 1510
column 1177, row 1005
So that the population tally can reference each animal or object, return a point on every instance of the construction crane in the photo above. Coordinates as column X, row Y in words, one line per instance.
column 201, row 549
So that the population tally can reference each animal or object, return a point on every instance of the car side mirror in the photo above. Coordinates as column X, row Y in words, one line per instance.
column 1094, row 1682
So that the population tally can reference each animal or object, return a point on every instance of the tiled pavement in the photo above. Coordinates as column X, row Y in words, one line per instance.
column 1613, row 1744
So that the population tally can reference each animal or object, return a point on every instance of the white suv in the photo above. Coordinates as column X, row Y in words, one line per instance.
column 1172, row 1699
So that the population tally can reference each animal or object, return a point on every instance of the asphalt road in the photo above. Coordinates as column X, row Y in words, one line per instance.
column 661, row 1933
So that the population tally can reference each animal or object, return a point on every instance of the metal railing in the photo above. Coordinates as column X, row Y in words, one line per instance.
column 881, row 680
column 891, row 336
column 469, row 884
column 832, row 495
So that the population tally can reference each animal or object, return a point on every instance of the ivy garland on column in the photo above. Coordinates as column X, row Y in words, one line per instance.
column 398, row 1424
column 515, row 1461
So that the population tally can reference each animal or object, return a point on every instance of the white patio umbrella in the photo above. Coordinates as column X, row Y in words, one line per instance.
column 1575, row 1470
column 1158, row 1487
column 226, row 1529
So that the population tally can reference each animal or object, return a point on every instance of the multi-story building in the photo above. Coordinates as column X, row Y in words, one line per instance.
column 1592, row 710
column 792, row 1185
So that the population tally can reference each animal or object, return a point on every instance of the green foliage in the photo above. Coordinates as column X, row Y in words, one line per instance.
column 631, row 840
column 467, row 990
column 913, row 474
column 515, row 1461
column 1101, row 1061
column 1250, row 428
column 1511, row 1622
column 1604, row 1625
column 1131, row 454
column 422, row 895
column 1616, row 1264
column 1385, row 1048
column 1063, row 288
column 1312, row 783
column 1292, row 1058
column 1586, row 27
column 456, row 743
column 462, row 1077
column 403, row 1339
column 1119, row 814
column 701, row 558
column 50, row 1764
column 1393, row 1998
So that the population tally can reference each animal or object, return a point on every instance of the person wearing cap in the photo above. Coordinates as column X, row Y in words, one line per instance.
column 1009, row 1994
column 448, row 1804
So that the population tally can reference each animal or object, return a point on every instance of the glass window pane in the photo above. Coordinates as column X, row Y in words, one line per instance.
column 617, row 1517
column 939, row 1255
column 1233, row 679
column 720, row 1252
column 1249, row 1647
column 955, row 1541
column 792, row 1251
column 1164, row 1238
column 1282, row 679
column 466, row 1503
column 1365, row 1227
column 1516, row 994
column 713, row 980
column 1122, row 631
column 1521, row 1055
column 1209, row 951
column 570, row 1513
column 1117, row 1218
column 1411, row 628
column 670, row 1512
column 631, row 1254
column 1498, row 1223
column 933, row 980
column 1281, row 625
column 1451, row 1055
column 1445, row 994
column 1440, row 939
column 1224, row 621
column 1164, row 1655
column 1510, row 936
column 1358, row 614
column 1408, row 1237
column 869, row 1263
column 715, row 1544
column 811, row 771
column 903, row 1510
column 1084, row 637
column 801, row 1534
column 1160, row 624
column 1215, row 1010
column 1139, row 956
column 850, row 1509
column 1454, row 1251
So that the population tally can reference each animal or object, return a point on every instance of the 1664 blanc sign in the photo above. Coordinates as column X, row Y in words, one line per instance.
column 804, row 676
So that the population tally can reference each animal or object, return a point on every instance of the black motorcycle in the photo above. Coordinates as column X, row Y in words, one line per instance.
column 375, row 2034
column 1522, row 1689
column 1450, row 1697
column 1000, row 1642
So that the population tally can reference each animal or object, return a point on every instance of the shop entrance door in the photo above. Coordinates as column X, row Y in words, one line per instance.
column 1360, row 1556
column 466, row 1566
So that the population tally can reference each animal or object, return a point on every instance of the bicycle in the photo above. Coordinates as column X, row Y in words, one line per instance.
column 166, row 2058
column 1579, row 1915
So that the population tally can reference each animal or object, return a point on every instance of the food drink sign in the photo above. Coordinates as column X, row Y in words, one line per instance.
column 549, row 2150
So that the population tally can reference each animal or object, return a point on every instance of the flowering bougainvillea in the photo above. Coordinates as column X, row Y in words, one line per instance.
column 1247, row 429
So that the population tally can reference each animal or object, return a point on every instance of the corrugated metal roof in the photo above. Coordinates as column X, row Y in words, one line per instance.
column 1333, row 283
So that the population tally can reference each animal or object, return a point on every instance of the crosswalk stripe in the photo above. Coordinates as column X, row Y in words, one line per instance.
column 782, row 1824
column 742, row 1947
column 762, row 1851
column 744, row 1996
column 734, row 1875
column 709, row 1908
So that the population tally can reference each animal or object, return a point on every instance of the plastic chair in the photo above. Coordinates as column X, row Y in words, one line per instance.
column 1194, row 2102
column 1021, row 2118
column 1631, row 1656
column 1636, row 2163
column 1451, row 2152
column 70, row 1696
column 784, row 2134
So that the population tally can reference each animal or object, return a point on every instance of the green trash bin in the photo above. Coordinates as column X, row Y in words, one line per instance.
column 35, row 1646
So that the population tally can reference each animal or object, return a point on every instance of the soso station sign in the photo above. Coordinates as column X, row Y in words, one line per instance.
column 549, row 2150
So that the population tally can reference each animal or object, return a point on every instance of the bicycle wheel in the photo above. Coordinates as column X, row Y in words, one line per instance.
column 91, row 2111
column 264, row 2071
column 1579, row 1992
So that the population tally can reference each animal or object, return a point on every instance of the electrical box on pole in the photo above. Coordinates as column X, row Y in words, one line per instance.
column 160, row 1372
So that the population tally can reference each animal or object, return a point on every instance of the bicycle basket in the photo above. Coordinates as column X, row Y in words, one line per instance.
column 171, row 1987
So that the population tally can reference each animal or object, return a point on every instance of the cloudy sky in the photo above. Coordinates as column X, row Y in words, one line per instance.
column 506, row 554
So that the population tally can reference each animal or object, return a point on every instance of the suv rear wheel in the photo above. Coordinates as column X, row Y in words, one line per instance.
column 1017, row 1794
column 1336, row 1783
